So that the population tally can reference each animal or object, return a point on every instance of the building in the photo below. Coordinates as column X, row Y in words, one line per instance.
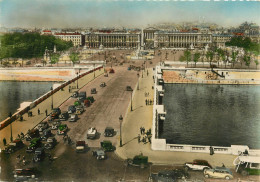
column 75, row 37
column 164, row 39
column 219, row 40
column 112, row 40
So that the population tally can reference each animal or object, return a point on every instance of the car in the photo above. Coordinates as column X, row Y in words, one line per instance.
column 73, row 118
column 80, row 109
column 109, row 132
column 129, row 88
column 42, row 126
column 71, row 109
column 138, row 160
column 62, row 129
column 75, row 94
column 39, row 155
column 103, row 84
column 45, row 134
column 34, row 143
column 82, row 96
column 64, row 116
column 55, row 113
column 38, row 65
column 80, row 146
column 99, row 154
column 107, row 146
column 181, row 174
column 55, row 125
column 14, row 146
column 105, row 75
column 28, row 173
column 166, row 175
column 91, row 99
column 51, row 142
column 218, row 172
column 34, row 133
column 92, row 133
column 198, row 165
column 93, row 91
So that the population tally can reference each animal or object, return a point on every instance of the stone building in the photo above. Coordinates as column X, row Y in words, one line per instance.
column 76, row 38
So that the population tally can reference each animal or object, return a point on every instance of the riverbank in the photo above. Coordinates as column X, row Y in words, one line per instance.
column 46, row 74
column 210, row 76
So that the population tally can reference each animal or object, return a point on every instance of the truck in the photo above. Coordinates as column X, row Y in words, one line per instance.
column 138, row 160
column 80, row 146
column 92, row 132
column 14, row 146
column 247, row 165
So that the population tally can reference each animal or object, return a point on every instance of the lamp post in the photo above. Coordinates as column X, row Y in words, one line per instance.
column 11, row 138
column 138, row 81
column 51, row 98
column 94, row 70
column 120, row 120
column 131, row 102
column 77, row 80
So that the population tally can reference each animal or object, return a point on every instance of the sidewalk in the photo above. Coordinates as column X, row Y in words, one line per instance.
column 141, row 116
column 58, row 98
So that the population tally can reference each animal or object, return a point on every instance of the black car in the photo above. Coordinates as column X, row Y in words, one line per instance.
column 71, row 109
column 169, row 175
column 75, row 94
column 55, row 113
column 129, row 88
column 64, row 116
column 93, row 91
column 39, row 155
column 109, row 132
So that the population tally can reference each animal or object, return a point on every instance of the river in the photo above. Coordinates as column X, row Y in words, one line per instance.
column 218, row 115
column 12, row 94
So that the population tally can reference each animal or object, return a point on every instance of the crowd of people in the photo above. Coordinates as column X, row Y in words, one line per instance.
column 144, row 137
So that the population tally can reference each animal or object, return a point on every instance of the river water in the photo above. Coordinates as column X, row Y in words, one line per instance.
column 12, row 94
column 218, row 115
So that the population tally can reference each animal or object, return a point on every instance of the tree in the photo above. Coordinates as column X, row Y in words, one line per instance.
column 221, row 55
column 74, row 57
column 209, row 57
column 55, row 58
column 256, row 63
column 196, row 58
column 234, row 57
column 187, row 55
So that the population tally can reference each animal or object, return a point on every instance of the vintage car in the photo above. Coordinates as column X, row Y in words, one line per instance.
column 103, row 84
column 34, row 143
column 71, row 109
column 64, row 116
column 51, row 142
column 92, row 133
column 99, row 154
column 73, row 118
column 80, row 146
column 62, row 129
column 93, row 91
column 218, row 172
column 14, row 146
column 198, row 165
column 55, row 113
column 109, row 132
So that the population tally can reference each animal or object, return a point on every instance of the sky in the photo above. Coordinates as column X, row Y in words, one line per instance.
column 123, row 13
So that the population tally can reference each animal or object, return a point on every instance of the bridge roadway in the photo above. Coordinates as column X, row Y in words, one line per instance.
column 111, row 101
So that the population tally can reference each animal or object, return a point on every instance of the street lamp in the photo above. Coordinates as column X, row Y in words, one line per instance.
column 131, row 102
column 121, row 120
column 77, row 80
column 11, row 138
column 138, row 81
column 51, row 98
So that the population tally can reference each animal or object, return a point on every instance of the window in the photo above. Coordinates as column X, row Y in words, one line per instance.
column 255, row 165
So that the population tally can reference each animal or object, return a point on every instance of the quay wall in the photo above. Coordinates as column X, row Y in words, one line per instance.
column 159, row 113
column 39, row 73
column 207, row 76
column 16, row 115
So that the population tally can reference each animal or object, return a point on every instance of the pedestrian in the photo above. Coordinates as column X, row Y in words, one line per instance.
column 19, row 136
column 150, row 102
column 144, row 140
column 4, row 141
column 24, row 162
column 18, row 157
column 69, row 89
column 28, row 114
column 23, row 157
column 21, row 117
column 146, row 101
column 46, row 112
column 141, row 130
column 147, row 73
column 22, row 135
column 211, row 150
column 139, row 138
column 149, row 138
column 39, row 112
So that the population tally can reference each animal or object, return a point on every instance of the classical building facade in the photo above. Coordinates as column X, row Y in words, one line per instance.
column 75, row 37
column 164, row 39
column 219, row 40
column 112, row 40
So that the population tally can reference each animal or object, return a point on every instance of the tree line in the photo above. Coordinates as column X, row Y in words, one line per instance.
column 30, row 45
